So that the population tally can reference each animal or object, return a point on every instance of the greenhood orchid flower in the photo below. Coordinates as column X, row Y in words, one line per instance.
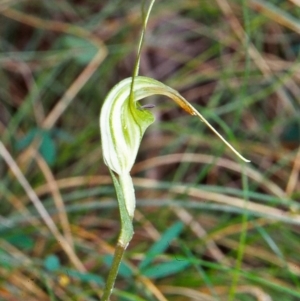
column 123, row 122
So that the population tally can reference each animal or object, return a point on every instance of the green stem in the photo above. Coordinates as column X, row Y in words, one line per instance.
column 119, row 251
column 126, row 198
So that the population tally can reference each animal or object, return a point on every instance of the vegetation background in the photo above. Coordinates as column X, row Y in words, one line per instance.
column 207, row 227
